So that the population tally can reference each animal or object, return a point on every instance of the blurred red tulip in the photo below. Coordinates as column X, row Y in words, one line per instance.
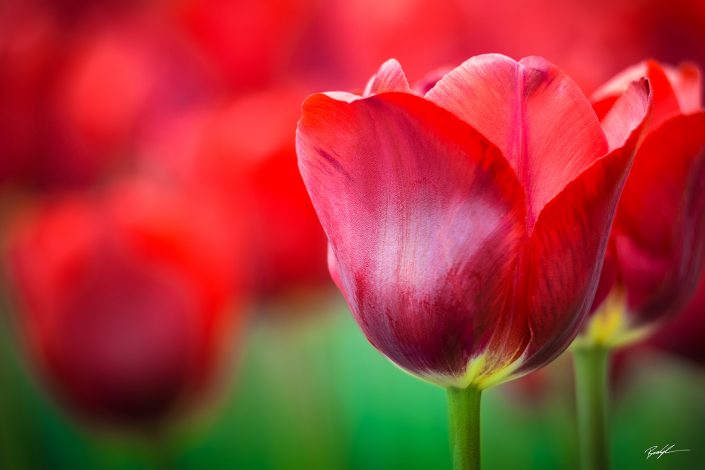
column 244, row 150
column 123, row 75
column 126, row 300
column 249, row 41
column 683, row 335
column 658, row 239
column 75, row 99
column 467, row 227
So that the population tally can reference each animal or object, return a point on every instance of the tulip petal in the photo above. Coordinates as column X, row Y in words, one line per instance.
column 389, row 77
column 668, row 178
column 687, row 84
column 424, row 218
column 534, row 113
column 626, row 113
column 566, row 252
column 665, row 101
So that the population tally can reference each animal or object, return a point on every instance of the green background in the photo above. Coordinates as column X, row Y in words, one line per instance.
column 310, row 393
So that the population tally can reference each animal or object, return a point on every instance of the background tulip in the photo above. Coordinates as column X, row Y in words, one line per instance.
column 682, row 335
column 128, row 314
column 243, row 150
column 656, row 244
column 451, row 217
column 655, row 248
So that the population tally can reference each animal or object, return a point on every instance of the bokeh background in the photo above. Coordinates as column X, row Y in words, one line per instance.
column 165, row 301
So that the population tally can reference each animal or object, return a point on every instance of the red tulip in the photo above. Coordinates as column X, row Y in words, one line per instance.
column 245, row 151
column 657, row 242
column 150, row 74
column 467, row 227
column 126, row 300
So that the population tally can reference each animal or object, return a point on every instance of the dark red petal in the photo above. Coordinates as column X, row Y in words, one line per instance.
column 534, row 113
column 424, row 218
column 659, row 227
column 389, row 77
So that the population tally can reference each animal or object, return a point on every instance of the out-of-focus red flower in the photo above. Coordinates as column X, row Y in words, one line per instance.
column 74, row 100
column 244, row 151
column 657, row 242
column 248, row 41
column 128, row 301
column 30, row 43
column 467, row 227
column 683, row 335
column 124, row 73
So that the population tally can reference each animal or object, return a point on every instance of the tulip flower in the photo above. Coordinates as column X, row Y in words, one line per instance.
column 152, row 74
column 126, row 301
column 245, row 151
column 657, row 241
column 467, row 226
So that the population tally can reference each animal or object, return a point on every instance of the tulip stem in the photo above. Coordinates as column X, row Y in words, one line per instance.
column 591, row 365
column 464, row 408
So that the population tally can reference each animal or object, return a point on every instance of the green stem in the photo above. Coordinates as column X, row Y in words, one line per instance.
column 464, row 408
column 591, row 364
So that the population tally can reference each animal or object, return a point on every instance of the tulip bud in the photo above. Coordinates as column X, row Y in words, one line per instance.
column 125, row 301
